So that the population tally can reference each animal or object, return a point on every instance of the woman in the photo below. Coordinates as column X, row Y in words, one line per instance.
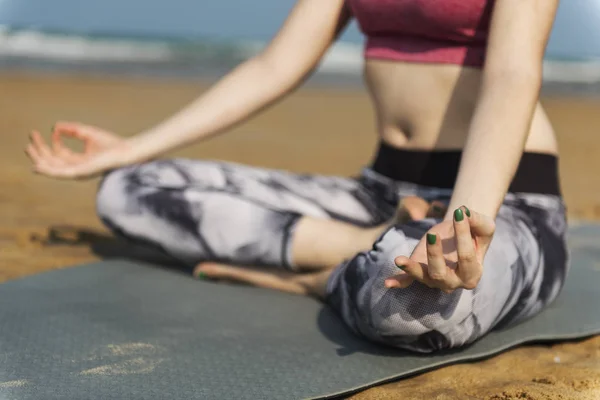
column 455, row 85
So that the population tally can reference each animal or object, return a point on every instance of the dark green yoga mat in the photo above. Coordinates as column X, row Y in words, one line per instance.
column 125, row 330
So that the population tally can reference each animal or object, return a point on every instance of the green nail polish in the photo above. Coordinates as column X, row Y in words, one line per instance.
column 431, row 237
column 201, row 275
column 467, row 211
column 437, row 209
column 458, row 215
column 402, row 267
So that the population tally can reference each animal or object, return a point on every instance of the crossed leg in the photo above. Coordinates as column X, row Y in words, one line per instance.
column 319, row 245
column 220, row 215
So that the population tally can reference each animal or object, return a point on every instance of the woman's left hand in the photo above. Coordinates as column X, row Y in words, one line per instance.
column 450, row 256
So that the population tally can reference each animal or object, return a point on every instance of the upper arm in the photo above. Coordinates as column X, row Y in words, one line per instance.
column 519, row 33
column 305, row 36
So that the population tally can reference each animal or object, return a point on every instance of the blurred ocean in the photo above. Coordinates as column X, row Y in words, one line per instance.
column 33, row 36
column 147, row 55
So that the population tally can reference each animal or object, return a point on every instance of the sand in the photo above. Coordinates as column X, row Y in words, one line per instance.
column 48, row 224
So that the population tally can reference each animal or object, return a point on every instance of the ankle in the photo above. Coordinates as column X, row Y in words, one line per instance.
column 316, row 284
column 372, row 234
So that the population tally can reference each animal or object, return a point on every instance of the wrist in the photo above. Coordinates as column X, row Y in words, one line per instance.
column 482, row 199
column 484, row 209
column 124, row 154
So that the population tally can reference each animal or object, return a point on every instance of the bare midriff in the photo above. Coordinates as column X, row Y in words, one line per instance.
column 429, row 106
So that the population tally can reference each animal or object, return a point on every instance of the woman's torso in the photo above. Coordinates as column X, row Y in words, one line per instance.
column 424, row 97
column 430, row 106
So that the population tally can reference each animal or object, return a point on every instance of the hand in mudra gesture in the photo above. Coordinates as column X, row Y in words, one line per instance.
column 450, row 256
column 102, row 151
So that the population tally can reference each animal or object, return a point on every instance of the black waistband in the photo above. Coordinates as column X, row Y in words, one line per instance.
column 537, row 172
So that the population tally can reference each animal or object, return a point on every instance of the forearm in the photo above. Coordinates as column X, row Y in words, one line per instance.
column 495, row 142
column 296, row 49
column 240, row 94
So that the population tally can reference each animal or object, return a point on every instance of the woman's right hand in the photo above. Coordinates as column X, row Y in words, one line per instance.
column 102, row 151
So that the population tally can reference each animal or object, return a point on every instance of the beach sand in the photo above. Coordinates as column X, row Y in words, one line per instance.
column 48, row 224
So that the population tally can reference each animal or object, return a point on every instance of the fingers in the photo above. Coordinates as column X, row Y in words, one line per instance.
column 48, row 162
column 455, row 263
column 412, row 270
column 54, row 171
column 469, row 267
column 32, row 153
column 409, row 271
column 93, row 138
column 72, row 129
column 40, row 146
column 57, row 145
column 417, row 271
column 436, row 263
column 39, row 152
column 482, row 226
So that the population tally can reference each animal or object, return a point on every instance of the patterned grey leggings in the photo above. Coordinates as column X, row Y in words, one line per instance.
column 200, row 210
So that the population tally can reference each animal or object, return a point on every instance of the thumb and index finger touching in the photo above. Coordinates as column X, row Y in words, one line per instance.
column 481, row 225
column 71, row 129
column 67, row 129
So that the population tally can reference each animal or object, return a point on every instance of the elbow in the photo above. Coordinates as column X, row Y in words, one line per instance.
column 280, row 71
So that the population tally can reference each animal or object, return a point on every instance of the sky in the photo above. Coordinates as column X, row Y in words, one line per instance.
column 576, row 29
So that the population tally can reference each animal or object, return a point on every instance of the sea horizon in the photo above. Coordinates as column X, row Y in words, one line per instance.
column 201, row 56
column 190, row 39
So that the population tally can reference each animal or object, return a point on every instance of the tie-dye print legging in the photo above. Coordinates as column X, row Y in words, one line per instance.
column 203, row 210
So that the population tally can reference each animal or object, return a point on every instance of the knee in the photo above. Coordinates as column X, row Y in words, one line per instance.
column 112, row 194
column 423, row 319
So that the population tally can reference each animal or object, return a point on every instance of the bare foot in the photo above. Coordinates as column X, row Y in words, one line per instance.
column 414, row 208
column 312, row 280
column 410, row 208
column 308, row 284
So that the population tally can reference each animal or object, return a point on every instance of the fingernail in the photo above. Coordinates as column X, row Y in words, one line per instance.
column 431, row 238
column 458, row 215
column 201, row 275
column 467, row 211
column 402, row 267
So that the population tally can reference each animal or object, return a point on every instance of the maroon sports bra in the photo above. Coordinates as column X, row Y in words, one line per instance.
column 425, row 31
